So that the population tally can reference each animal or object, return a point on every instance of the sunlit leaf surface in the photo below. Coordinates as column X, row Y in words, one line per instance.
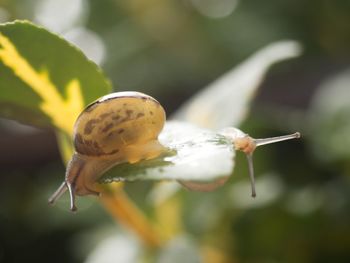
column 195, row 154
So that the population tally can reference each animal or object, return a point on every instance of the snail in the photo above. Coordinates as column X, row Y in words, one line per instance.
column 124, row 127
column 241, row 142
column 117, row 128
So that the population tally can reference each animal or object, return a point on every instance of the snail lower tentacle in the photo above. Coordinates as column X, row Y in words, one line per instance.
column 58, row 193
column 71, row 190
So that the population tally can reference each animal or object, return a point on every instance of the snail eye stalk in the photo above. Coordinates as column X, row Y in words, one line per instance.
column 73, row 208
column 264, row 141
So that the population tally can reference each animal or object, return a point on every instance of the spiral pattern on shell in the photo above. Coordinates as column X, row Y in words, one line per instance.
column 117, row 120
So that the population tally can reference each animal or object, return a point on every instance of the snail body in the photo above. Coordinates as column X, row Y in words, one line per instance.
column 124, row 127
column 117, row 128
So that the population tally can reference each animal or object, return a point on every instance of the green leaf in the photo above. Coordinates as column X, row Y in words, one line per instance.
column 44, row 79
column 226, row 101
column 195, row 154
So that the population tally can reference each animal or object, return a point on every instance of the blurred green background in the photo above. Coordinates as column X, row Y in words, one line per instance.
column 170, row 50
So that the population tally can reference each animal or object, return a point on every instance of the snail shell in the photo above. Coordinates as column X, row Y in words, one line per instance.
column 117, row 128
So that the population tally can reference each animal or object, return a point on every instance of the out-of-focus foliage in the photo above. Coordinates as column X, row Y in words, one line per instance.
column 226, row 101
column 329, row 117
column 170, row 49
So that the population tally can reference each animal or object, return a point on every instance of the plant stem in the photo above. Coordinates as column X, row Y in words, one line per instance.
column 124, row 211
